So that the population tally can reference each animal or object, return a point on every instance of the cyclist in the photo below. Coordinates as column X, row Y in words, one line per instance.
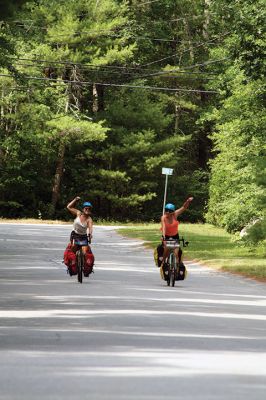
column 82, row 227
column 169, row 227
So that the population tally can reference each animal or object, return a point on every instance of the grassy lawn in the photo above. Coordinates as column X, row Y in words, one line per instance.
column 31, row 221
column 210, row 245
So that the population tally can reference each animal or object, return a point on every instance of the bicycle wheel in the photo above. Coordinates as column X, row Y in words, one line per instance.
column 167, row 273
column 172, row 270
column 169, row 277
column 80, row 262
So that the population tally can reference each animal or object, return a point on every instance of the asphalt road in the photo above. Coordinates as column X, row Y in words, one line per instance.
column 123, row 334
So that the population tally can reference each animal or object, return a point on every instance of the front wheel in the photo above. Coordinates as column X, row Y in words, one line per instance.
column 80, row 263
column 172, row 270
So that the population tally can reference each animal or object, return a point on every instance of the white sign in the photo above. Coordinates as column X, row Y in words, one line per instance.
column 167, row 171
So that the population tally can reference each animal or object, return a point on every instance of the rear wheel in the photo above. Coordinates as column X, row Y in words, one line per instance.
column 80, row 262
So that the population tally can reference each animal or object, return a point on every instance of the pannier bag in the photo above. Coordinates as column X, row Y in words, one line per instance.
column 164, row 271
column 158, row 254
column 181, row 273
column 89, row 257
column 70, row 260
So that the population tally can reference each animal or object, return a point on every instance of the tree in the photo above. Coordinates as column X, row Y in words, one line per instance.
column 66, row 129
column 238, row 119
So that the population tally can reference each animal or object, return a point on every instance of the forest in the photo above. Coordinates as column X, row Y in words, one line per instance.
column 97, row 96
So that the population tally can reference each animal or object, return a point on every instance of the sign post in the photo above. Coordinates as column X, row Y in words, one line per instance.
column 166, row 172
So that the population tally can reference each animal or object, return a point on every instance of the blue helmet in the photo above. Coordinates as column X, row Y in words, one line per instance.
column 170, row 207
column 86, row 204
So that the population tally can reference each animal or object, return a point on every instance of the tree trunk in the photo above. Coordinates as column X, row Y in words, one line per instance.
column 206, row 23
column 190, row 45
column 58, row 175
column 98, row 98
column 177, row 116
column 204, row 143
column 94, row 99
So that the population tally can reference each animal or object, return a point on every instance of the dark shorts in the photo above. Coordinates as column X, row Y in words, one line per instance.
column 76, row 236
column 172, row 237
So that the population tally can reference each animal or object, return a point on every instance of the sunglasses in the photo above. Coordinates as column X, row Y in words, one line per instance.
column 87, row 208
column 168, row 211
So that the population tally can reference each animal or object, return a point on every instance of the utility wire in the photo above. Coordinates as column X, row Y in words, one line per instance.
column 191, row 17
column 184, row 17
column 109, row 33
column 128, row 75
column 206, row 63
column 188, row 49
column 131, row 36
column 89, row 69
column 115, row 84
column 147, row 2
column 166, row 74
column 198, row 64
column 113, row 67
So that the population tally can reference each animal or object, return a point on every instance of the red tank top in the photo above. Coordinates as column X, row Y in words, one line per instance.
column 171, row 229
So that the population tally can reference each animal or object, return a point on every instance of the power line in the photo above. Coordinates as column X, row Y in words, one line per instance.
column 133, row 36
column 109, row 33
column 206, row 63
column 183, row 67
column 73, row 63
column 106, row 33
column 191, row 17
column 91, row 67
column 114, row 84
column 162, row 74
column 188, row 49
column 128, row 75
column 197, row 65
column 147, row 2
column 161, row 59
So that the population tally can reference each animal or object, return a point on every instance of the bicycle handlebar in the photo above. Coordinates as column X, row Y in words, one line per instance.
column 185, row 243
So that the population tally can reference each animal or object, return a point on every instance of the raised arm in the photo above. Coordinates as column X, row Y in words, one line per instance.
column 163, row 225
column 184, row 207
column 71, row 206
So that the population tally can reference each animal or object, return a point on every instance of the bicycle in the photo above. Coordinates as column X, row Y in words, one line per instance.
column 80, row 257
column 175, row 271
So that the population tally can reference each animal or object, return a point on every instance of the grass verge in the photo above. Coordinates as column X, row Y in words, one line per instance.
column 31, row 221
column 211, row 246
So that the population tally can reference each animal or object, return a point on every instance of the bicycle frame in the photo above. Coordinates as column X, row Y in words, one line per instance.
column 171, row 245
column 80, row 257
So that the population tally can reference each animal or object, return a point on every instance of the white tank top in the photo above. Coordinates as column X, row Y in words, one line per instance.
column 78, row 227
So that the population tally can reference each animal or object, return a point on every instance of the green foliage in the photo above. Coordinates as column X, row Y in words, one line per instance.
column 68, row 119
column 245, row 20
column 238, row 119
column 256, row 232
column 239, row 143
column 81, row 131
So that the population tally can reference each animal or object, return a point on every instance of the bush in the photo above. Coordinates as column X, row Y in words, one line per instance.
column 255, row 232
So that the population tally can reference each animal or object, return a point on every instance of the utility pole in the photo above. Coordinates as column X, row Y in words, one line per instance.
column 166, row 172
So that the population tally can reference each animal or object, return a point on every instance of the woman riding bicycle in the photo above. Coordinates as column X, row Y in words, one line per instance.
column 169, row 227
column 82, row 228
